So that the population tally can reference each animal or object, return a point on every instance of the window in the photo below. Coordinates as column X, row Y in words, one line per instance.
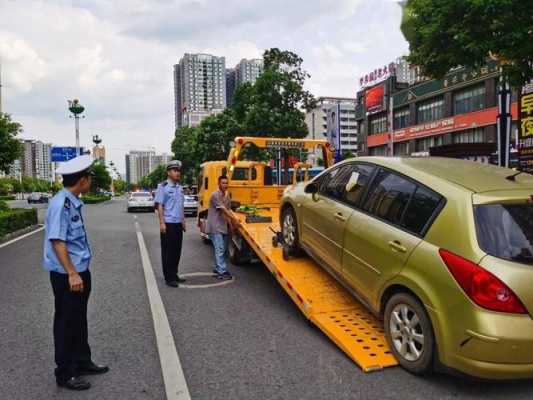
column 401, row 149
column 506, row 231
column 361, row 174
column 388, row 196
column 401, row 118
column 470, row 99
column 469, row 136
column 430, row 110
column 242, row 174
column 426, row 143
column 420, row 210
column 333, row 183
column 378, row 150
column 378, row 124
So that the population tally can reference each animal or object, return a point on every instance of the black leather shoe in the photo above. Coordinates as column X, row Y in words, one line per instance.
column 74, row 383
column 181, row 280
column 92, row 369
column 172, row 283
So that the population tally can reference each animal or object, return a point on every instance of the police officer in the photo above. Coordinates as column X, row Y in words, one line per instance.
column 67, row 256
column 170, row 202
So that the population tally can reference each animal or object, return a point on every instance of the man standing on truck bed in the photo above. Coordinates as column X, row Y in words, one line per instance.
column 217, row 227
column 170, row 201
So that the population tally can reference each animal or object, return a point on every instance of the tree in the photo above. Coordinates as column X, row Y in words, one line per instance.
column 272, row 105
column 101, row 179
column 10, row 147
column 119, row 185
column 215, row 135
column 444, row 34
column 184, row 147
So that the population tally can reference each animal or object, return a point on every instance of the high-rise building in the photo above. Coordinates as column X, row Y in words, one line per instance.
column 230, row 86
column 316, row 121
column 244, row 71
column 34, row 162
column 99, row 153
column 141, row 163
column 199, row 88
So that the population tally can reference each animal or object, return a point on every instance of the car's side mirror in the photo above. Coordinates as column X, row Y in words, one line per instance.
column 311, row 188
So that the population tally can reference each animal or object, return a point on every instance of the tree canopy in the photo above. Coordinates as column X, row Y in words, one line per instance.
column 444, row 34
column 10, row 147
column 101, row 179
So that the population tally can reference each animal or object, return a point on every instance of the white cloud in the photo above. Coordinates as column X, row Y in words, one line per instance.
column 117, row 56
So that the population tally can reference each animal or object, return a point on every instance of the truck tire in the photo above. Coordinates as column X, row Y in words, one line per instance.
column 409, row 333
column 289, row 231
column 237, row 256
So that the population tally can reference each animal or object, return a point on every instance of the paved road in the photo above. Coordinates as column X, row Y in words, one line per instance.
column 245, row 340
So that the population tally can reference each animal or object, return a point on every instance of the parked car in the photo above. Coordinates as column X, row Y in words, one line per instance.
column 140, row 201
column 440, row 249
column 191, row 205
column 37, row 197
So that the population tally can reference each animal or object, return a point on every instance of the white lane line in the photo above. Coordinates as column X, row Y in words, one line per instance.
column 173, row 377
column 21, row 237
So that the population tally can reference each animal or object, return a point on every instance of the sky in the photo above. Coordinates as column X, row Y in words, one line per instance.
column 117, row 57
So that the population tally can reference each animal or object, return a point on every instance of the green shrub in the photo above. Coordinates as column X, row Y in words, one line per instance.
column 3, row 206
column 94, row 198
column 6, row 198
column 15, row 219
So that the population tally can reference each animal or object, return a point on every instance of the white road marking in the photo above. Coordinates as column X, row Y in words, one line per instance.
column 207, row 285
column 173, row 377
column 21, row 237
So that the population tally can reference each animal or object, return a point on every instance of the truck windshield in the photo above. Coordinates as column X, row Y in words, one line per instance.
column 506, row 231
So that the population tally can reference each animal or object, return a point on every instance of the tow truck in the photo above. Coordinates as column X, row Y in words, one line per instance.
column 255, row 188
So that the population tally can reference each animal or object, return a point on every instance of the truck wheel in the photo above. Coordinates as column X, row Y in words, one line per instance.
column 237, row 256
column 409, row 333
column 289, row 230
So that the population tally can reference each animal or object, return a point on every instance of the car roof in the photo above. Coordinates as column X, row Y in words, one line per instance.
column 474, row 176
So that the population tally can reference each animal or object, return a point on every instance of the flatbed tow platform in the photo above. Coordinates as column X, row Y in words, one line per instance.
column 320, row 297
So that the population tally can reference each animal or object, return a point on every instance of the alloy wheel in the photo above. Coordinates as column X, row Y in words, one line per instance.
column 289, row 230
column 406, row 332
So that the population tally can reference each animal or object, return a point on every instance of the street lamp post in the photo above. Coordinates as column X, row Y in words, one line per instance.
column 76, row 108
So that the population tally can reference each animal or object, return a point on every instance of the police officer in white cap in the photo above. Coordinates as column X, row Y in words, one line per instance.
column 170, row 202
column 67, row 255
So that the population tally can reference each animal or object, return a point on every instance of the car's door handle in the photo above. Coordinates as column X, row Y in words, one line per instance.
column 397, row 246
column 340, row 217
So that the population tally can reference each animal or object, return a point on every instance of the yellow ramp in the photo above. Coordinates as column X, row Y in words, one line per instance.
column 322, row 299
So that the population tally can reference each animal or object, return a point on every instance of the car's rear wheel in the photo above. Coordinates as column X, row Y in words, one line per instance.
column 409, row 333
column 289, row 230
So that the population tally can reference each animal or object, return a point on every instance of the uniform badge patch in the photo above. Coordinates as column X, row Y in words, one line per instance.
column 75, row 218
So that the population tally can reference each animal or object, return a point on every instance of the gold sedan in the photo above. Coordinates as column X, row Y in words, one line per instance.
column 440, row 249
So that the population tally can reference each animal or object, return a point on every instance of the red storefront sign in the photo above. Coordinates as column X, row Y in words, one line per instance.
column 452, row 124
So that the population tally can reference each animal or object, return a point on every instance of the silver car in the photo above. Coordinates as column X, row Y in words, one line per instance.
column 191, row 205
column 140, row 201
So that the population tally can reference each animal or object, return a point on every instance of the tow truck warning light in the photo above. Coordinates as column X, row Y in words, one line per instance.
column 275, row 143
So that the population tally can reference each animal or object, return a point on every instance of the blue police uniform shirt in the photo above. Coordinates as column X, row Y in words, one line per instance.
column 170, row 195
column 64, row 222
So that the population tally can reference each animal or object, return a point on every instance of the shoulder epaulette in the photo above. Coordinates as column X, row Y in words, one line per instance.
column 165, row 183
column 67, row 203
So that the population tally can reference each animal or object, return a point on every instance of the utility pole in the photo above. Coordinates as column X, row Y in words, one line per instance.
column 76, row 108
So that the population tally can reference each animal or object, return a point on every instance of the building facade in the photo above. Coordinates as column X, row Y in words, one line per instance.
column 455, row 116
column 98, row 153
column 141, row 163
column 244, row 71
column 34, row 162
column 199, row 88
column 316, row 121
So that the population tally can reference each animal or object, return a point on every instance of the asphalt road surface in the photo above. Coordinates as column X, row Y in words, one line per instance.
column 243, row 340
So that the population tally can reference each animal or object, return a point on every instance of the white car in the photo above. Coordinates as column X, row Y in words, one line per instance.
column 191, row 205
column 141, row 201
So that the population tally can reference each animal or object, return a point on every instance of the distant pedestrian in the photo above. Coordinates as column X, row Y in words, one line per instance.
column 170, row 201
column 67, row 256
column 217, row 227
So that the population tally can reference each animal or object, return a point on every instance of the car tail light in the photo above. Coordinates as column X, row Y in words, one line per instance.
column 481, row 286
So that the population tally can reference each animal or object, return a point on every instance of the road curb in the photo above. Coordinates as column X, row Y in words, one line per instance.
column 20, row 232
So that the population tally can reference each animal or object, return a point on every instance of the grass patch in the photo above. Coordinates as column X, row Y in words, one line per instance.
column 12, row 220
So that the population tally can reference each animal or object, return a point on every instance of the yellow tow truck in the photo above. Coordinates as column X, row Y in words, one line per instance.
column 255, row 188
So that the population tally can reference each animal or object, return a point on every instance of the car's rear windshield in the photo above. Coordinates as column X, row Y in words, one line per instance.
column 506, row 231
column 191, row 197
column 141, row 195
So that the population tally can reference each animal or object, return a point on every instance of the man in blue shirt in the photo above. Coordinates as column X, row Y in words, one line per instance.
column 67, row 256
column 170, row 201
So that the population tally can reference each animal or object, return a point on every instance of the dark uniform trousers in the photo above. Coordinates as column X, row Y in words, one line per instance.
column 70, row 325
column 171, row 250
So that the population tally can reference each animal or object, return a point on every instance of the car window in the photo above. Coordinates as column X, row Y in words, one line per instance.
column 141, row 195
column 388, row 196
column 420, row 210
column 358, row 178
column 506, row 231
column 334, row 184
